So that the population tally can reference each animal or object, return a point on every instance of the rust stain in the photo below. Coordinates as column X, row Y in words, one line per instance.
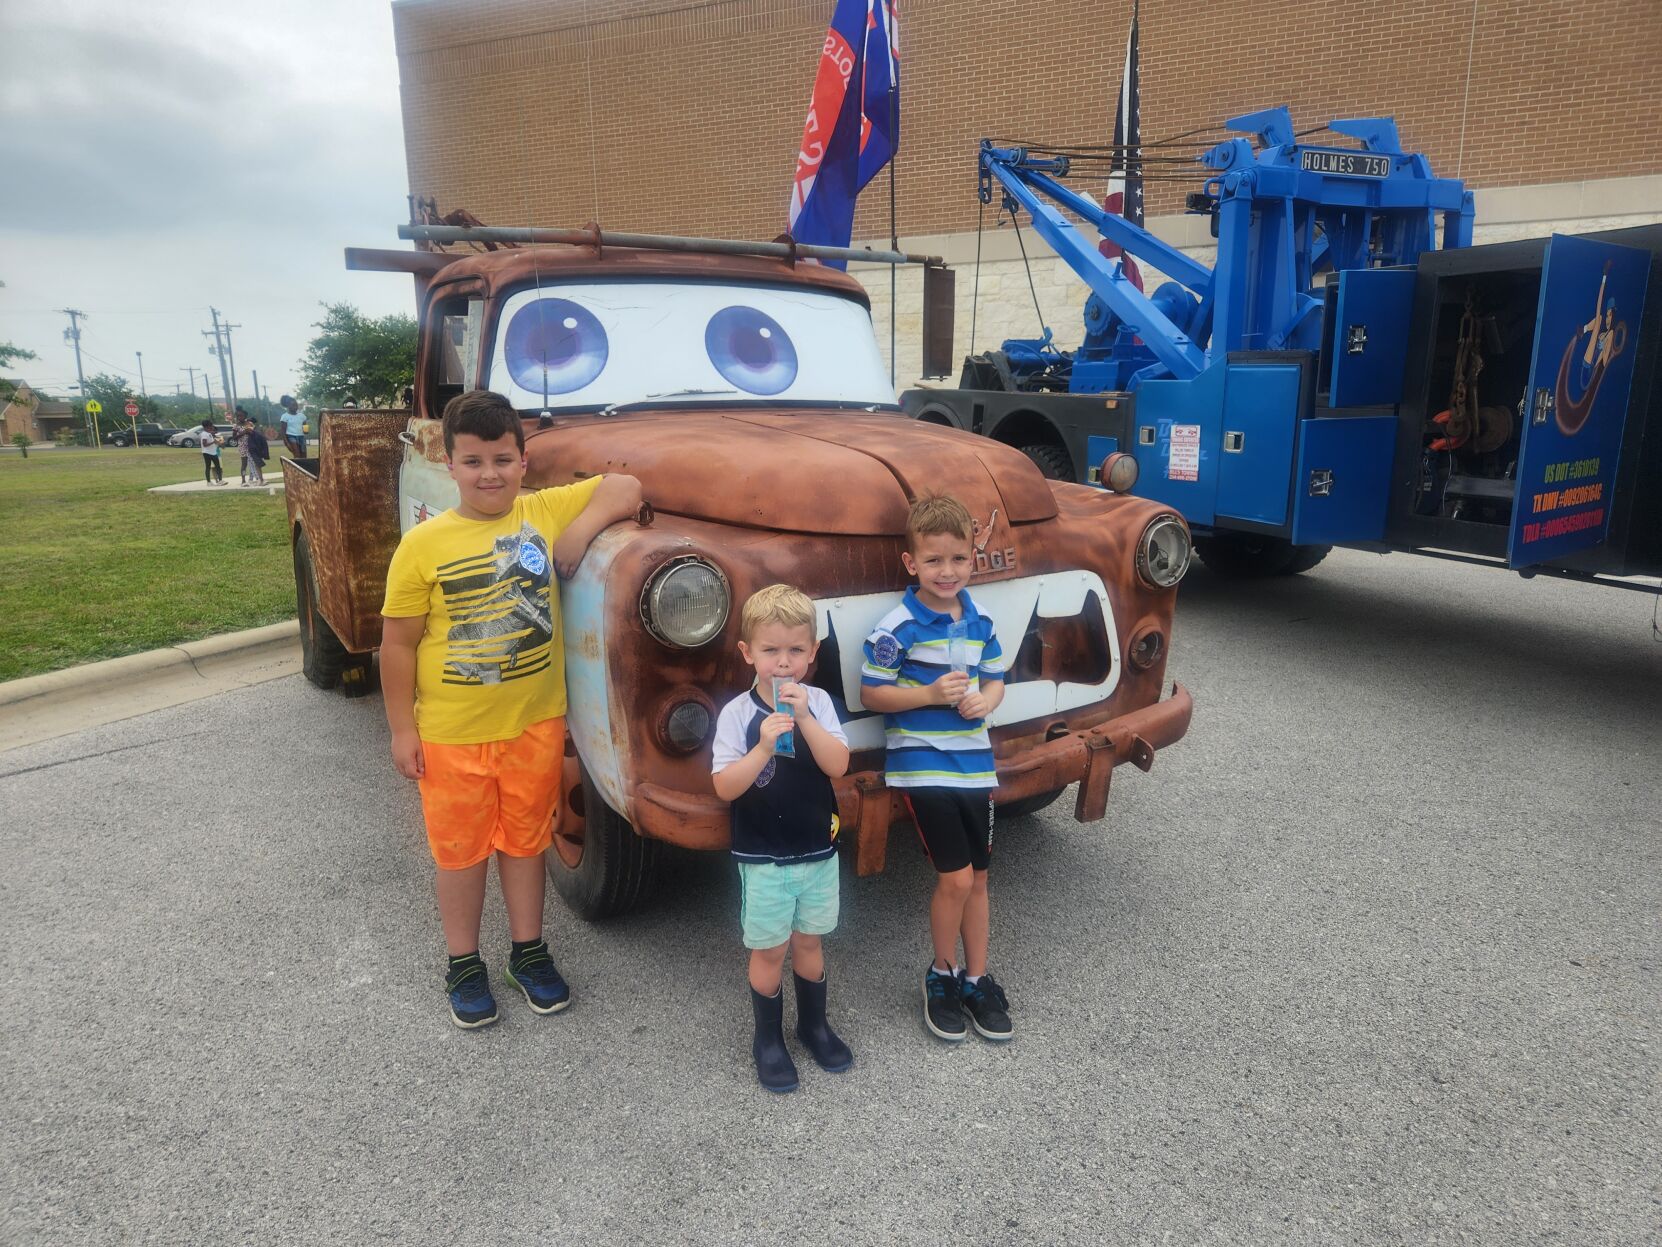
column 349, row 513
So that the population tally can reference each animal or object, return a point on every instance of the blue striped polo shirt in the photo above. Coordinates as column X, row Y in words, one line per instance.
column 933, row 746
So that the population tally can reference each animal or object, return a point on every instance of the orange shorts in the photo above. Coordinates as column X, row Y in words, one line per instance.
column 500, row 796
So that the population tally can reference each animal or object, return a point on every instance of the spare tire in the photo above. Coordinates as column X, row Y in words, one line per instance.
column 1051, row 460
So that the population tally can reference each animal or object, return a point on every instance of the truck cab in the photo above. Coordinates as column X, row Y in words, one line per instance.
column 748, row 395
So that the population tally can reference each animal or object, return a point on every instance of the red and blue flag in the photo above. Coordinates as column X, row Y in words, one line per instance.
column 853, row 124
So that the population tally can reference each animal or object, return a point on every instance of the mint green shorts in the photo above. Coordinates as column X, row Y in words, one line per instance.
column 776, row 900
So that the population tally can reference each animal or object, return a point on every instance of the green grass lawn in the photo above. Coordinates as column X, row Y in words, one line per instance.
column 93, row 566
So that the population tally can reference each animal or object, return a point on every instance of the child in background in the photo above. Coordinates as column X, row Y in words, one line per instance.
column 212, row 473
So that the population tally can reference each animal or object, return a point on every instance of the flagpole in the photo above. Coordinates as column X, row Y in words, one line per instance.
column 894, row 237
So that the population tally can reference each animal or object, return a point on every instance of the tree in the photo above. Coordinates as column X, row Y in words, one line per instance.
column 355, row 358
column 10, row 354
column 112, row 393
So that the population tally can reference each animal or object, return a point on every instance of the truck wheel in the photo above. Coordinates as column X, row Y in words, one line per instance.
column 323, row 659
column 1052, row 461
column 1028, row 805
column 118, row 440
column 1304, row 558
column 597, row 862
column 1244, row 556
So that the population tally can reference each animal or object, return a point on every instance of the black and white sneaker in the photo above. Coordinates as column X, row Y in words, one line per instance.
column 987, row 1007
column 943, row 1013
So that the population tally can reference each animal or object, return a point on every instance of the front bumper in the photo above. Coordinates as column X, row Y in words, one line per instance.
column 866, row 807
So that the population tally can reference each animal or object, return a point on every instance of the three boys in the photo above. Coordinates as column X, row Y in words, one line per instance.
column 473, row 674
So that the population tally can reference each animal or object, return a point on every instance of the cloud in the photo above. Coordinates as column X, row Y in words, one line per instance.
column 138, row 129
column 192, row 154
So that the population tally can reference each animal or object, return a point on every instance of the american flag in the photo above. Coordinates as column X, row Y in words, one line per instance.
column 1125, row 171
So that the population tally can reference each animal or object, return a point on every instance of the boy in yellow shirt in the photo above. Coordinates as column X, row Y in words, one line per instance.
column 473, row 673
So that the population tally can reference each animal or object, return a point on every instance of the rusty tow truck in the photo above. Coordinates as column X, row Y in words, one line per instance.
column 744, row 388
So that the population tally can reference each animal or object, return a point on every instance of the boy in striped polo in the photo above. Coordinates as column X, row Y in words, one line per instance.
column 935, row 671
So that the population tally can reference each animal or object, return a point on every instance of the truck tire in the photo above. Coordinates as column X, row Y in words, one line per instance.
column 1051, row 460
column 1304, row 558
column 120, row 439
column 1244, row 556
column 323, row 659
column 1028, row 805
column 611, row 870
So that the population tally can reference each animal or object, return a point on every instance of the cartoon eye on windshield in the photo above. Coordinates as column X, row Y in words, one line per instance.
column 554, row 346
column 751, row 350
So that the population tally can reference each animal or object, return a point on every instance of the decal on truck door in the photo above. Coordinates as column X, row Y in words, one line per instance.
column 1576, row 404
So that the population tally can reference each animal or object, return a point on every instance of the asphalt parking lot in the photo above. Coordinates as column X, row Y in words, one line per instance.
column 1370, row 957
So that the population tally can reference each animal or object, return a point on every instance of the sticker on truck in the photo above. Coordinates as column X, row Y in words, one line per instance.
column 1184, row 464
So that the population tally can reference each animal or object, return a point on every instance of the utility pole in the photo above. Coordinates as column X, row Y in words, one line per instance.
column 256, row 373
column 191, row 368
column 208, row 385
column 221, row 350
column 73, row 335
column 231, row 355
column 140, row 355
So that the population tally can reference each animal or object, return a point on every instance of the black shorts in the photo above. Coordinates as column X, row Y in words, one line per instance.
column 955, row 825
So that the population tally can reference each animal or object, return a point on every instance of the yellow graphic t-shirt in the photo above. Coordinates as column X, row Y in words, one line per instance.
column 491, row 660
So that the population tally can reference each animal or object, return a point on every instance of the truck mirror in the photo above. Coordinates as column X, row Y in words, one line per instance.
column 938, row 357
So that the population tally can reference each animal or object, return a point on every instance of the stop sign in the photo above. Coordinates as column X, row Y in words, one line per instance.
column 132, row 409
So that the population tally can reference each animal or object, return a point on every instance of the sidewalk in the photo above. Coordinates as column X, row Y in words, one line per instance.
column 43, row 707
column 273, row 484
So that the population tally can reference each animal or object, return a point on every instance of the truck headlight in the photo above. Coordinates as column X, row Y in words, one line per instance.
column 685, row 602
column 684, row 724
column 1163, row 553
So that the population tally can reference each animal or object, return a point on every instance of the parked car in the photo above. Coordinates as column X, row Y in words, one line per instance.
column 193, row 437
column 147, row 434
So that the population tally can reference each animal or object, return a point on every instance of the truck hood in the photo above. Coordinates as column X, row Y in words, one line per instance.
column 849, row 473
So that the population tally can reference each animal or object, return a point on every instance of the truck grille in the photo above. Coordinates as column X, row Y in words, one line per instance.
column 1057, row 628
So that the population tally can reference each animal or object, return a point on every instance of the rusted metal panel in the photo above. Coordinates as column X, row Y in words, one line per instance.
column 766, row 499
column 814, row 498
column 349, row 514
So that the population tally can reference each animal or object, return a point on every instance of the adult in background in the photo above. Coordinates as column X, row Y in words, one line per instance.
column 240, row 422
column 259, row 450
column 294, row 426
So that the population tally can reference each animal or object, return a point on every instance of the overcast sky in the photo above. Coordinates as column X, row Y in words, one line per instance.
column 160, row 159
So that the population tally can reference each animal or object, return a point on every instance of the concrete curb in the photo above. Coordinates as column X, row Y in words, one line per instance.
column 110, row 674
column 58, row 703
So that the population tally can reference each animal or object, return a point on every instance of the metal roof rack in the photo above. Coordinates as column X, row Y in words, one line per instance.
column 783, row 248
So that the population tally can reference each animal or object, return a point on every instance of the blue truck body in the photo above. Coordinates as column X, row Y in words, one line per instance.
column 1350, row 370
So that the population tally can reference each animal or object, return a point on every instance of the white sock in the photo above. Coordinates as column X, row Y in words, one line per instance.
column 972, row 979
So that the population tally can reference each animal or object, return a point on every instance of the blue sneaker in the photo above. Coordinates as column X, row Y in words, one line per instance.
column 469, row 989
column 533, row 972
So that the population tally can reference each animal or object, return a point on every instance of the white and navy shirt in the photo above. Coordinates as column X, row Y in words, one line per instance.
column 933, row 746
column 789, row 814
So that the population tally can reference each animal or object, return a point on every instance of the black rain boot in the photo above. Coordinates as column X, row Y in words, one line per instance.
column 814, row 1031
column 774, row 1067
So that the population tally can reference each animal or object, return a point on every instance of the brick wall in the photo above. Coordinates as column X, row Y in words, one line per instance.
column 685, row 117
